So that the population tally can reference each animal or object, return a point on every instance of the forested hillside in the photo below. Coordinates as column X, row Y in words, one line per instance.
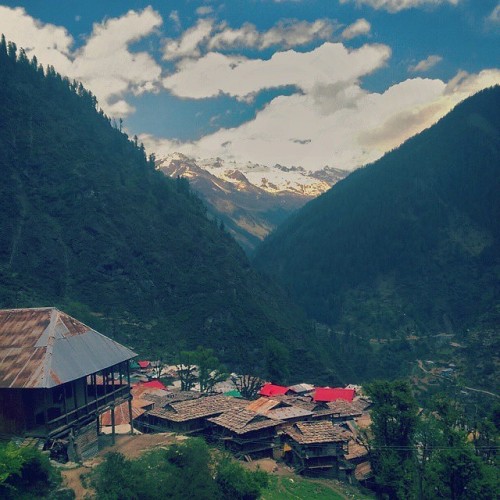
column 90, row 226
column 406, row 248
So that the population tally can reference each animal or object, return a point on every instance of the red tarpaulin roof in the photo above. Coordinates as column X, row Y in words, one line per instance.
column 273, row 390
column 155, row 384
column 143, row 364
column 327, row 394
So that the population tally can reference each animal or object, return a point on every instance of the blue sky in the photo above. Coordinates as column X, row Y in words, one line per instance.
column 295, row 82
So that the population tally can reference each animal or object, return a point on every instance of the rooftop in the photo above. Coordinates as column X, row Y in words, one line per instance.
column 322, row 431
column 44, row 348
column 208, row 406
column 242, row 421
column 272, row 390
column 328, row 394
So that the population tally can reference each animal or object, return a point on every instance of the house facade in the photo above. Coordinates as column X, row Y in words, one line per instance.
column 316, row 447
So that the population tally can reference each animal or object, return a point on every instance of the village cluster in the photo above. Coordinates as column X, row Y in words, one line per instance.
column 62, row 384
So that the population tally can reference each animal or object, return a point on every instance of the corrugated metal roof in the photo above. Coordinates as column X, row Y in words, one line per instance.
column 272, row 390
column 301, row 388
column 328, row 394
column 44, row 347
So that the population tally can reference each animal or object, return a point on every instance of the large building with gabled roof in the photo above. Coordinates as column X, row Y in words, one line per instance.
column 57, row 375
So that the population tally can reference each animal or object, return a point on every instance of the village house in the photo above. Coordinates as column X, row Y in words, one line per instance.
column 189, row 416
column 279, row 409
column 316, row 447
column 57, row 376
column 246, row 433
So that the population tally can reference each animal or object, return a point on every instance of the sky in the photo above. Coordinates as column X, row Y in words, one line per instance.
column 308, row 83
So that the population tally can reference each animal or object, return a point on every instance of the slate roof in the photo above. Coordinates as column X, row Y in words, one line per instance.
column 363, row 471
column 208, row 406
column 44, row 348
column 300, row 401
column 346, row 408
column 242, row 421
column 356, row 450
column 171, row 397
column 321, row 431
column 287, row 413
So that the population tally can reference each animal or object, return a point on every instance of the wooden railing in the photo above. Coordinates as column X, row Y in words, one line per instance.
column 93, row 405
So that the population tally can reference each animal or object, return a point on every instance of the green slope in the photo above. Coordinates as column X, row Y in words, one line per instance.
column 89, row 225
column 406, row 247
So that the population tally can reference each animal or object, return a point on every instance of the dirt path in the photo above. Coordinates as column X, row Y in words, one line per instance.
column 130, row 446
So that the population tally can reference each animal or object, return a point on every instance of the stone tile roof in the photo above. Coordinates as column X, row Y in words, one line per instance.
column 207, row 406
column 288, row 413
column 321, row 431
column 172, row 397
column 300, row 401
column 242, row 421
column 356, row 450
column 346, row 408
column 363, row 471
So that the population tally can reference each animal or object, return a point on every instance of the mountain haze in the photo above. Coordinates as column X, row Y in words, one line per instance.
column 407, row 247
column 89, row 225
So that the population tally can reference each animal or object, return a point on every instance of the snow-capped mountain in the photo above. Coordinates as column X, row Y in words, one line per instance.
column 250, row 199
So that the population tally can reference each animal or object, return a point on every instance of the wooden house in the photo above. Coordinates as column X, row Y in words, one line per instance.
column 246, row 433
column 189, row 416
column 316, row 446
column 57, row 376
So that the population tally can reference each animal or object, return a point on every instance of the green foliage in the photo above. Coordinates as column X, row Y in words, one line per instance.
column 292, row 488
column 187, row 470
column 277, row 358
column 428, row 455
column 25, row 473
column 211, row 371
column 90, row 226
column 237, row 483
column 11, row 462
column 406, row 247
column 394, row 420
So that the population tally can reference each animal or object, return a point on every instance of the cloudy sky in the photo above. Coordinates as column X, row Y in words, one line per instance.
column 294, row 82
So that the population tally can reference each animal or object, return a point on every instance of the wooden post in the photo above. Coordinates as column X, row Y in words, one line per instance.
column 74, row 388
column 65, row 405
column 112, row 424
column 130, row 415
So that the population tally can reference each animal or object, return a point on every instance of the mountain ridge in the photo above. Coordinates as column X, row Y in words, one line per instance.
column 406, row 246
column 89, row 226
column 250, row 208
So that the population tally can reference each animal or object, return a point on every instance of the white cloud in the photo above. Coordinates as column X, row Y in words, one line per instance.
column 494, row 17
column 286, row 34
column 337, row 124
column 104, row 64
column 425, row 64
column 239, row 77
column 398, row 5
column 52, row 44
column 204, row 10
column 176, row 20
column 206, row 36
column 360, row 27
column 188, row 45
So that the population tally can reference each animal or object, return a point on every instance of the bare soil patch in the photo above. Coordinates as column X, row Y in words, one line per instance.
column 130, row 446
